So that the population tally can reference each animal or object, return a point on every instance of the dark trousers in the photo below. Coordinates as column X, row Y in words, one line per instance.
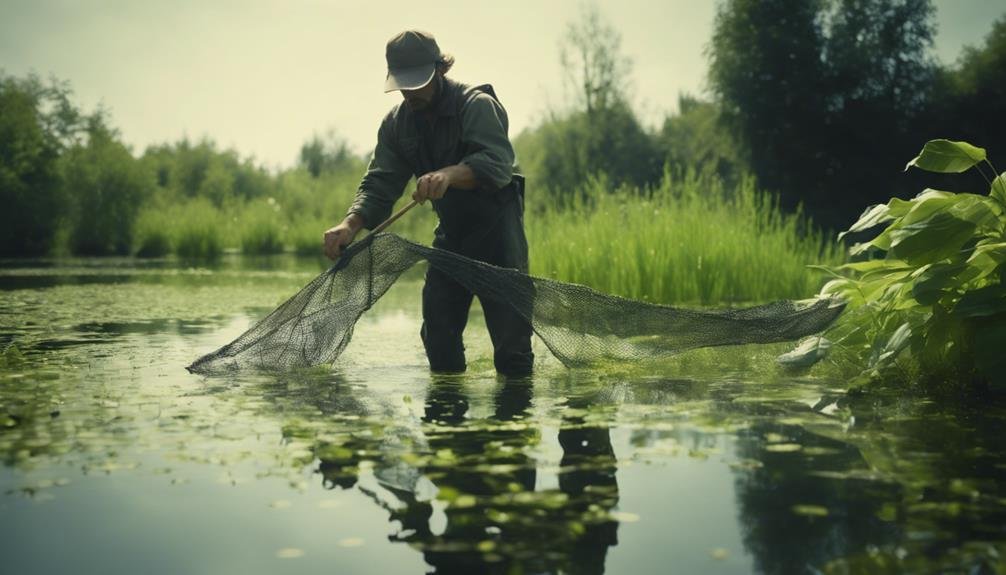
column 446, row 302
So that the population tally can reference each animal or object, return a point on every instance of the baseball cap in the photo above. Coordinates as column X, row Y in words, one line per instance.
column 412, row 60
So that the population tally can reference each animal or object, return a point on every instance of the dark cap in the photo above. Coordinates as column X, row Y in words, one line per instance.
column 412, row 60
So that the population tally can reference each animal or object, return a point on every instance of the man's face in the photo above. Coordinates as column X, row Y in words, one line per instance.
column 420, row 99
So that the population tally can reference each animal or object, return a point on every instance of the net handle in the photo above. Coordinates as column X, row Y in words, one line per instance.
column 384, row 225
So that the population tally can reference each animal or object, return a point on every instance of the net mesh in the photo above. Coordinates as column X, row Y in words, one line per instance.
column 580, row 326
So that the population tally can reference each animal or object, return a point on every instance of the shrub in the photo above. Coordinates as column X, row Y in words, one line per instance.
column 198, row 229
column 261, row 228
column 933, row 303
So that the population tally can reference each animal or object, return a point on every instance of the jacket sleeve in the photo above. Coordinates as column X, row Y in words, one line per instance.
column 384, row 181
column 484, row 136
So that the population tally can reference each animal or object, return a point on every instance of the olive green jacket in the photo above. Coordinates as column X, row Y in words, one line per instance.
column 464, row 125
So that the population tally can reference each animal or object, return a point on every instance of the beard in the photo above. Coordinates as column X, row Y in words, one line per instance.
column 417, row 104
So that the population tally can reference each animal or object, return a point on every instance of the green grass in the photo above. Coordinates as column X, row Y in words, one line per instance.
column 261, row 228
column 152, row 234
column 688, row 241
column 198, row 229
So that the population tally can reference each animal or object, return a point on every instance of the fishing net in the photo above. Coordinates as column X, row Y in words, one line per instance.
column 580, row 326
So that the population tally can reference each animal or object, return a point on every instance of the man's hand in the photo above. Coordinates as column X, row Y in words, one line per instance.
column 342, row 235
column 433, row 186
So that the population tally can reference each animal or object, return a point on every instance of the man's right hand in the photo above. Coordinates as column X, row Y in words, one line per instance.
column 342, row 235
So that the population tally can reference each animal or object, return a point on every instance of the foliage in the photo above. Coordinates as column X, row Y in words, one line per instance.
column 328, row 153
column 970, row 98
column 599, row 132
column 199, row 229
column 562, row 154
column 37, row 122
column 689, row 240
column 261, row 230
column 595, row 70
column 698, row 139
column 810, row 83
column 935, row 301
column 108, row 186
column 152, row 233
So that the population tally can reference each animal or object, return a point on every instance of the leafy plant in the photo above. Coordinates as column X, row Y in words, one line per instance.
column 934, row 301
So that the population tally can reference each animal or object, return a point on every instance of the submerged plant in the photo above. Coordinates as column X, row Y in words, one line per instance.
column 931, row 299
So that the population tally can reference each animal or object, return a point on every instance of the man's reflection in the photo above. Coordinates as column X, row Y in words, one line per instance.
column 496, row 519
column 587, row 477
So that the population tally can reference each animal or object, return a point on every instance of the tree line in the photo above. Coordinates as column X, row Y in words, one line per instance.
column 69, row 184
column 822, row 101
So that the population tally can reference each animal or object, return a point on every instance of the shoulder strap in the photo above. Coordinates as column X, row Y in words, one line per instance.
column 470, row 92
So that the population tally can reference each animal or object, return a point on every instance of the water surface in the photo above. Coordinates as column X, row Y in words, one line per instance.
column 116, row 460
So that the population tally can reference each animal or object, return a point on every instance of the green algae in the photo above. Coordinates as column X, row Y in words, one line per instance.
column 538, row 475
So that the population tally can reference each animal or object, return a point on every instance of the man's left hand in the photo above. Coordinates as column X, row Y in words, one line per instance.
column 432, row 186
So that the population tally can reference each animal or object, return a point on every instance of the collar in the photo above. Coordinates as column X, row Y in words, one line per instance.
column 446, row 104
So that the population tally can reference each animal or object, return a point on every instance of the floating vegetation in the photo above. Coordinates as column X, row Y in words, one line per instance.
column 97, row 412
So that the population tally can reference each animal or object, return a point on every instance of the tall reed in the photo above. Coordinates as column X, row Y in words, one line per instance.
column 686, row 241
column 198, row 229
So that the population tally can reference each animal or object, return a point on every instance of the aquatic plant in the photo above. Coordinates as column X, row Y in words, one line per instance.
column 688, row 240
column 927, row 301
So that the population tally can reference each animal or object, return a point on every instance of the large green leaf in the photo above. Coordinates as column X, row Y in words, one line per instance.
column 935, row 281
column 986, row 258
column 938, row 237
column 912, row 211
column 877, row 286
column 981, row 210
column 998, row 191
column 983, row 302
column 898, row 341
column 872, row 216
column 807, row 353
column 931, row 202
column 946, row 157
column 872, row 266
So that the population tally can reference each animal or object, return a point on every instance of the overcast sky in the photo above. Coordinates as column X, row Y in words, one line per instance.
column 261, row 76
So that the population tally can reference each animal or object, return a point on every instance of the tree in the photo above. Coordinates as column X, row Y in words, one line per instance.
column 595, row 70
column 825, row 95
column 599, row 133
column 324, row 153
column 37, row 122
column 971, row 95
column 696, row 138
column 766, row 71
column 107, row 186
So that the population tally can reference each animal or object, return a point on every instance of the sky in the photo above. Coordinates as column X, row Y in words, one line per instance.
column 263, row 76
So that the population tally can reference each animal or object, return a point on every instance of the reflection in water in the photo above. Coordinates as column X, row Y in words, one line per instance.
column 474, row 475
column 793, row 517
column 466, row 496
column 906, row 485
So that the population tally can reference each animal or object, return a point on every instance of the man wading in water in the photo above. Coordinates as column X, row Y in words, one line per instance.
column 453, row 139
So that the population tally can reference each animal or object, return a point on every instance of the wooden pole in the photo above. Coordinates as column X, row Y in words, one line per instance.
column 384, row 225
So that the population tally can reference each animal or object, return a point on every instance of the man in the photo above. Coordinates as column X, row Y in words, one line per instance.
column 453, row 139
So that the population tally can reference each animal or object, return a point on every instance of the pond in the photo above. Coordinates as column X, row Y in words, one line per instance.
column 116, row 460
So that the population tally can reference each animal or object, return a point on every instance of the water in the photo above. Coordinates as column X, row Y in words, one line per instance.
column 116, row 460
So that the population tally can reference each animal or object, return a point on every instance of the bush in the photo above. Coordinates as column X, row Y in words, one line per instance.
column 32, row 117
column 199, row 229
column 934, row 303
column 261, row 228
column 107, row 186
column 152, row 236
